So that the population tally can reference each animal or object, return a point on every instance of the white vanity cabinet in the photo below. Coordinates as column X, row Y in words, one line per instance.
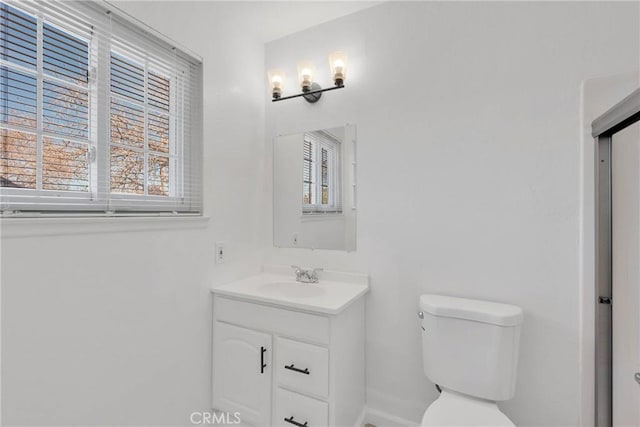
column 281, row 366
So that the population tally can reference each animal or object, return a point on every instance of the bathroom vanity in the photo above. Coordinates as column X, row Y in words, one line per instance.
column 290, row 354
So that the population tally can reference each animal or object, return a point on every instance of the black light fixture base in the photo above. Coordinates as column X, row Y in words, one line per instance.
column 312, row 95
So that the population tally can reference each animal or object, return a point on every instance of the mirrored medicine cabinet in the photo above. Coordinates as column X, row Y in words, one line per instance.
column 314, row 182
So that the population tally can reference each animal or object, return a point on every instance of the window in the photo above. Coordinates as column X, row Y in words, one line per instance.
column 51, row 152
column 139, row 96
column 95, row 114
column 321, row 173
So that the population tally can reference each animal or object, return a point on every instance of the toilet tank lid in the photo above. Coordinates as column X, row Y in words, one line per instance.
column 470, row 309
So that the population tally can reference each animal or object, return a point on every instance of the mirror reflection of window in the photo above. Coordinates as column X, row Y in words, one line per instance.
column 321, row 174
column 321, row 163
column 307, row 174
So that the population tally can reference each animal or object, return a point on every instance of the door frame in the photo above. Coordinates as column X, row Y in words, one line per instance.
column 623, row 114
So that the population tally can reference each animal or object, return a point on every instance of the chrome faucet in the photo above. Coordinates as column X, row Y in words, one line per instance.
column 306, row 276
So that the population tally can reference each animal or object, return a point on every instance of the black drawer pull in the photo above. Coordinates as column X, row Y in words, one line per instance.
column 293, row 368
column 262, row 364
column 290, row 420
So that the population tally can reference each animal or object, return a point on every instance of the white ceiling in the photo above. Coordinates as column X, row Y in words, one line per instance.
column 267, row 20
column 281, row 18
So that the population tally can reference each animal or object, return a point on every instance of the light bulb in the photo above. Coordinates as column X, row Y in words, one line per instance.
column 338, row 64
column 305, row 75
column 306, row 78
column 276, row 77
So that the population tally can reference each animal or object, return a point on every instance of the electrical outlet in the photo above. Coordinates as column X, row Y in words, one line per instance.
column 220, row 253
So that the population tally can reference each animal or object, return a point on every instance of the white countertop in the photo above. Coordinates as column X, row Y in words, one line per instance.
column 333, row 293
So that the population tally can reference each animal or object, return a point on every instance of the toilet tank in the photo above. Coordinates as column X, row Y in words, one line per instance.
column 471, row 346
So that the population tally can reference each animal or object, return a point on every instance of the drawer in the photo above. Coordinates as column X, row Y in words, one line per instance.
column 275, row 320
column 302, row 367
column 298, row 410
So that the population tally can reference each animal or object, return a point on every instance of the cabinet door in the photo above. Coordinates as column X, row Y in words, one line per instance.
column 242, row 373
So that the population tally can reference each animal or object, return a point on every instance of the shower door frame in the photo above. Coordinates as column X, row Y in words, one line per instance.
column 623, row 114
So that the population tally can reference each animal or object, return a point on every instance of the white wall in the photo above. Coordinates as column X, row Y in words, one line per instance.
column 469, row 133
column 114, row 328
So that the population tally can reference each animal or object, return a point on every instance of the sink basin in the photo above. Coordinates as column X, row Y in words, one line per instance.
column 292, row 289
column 276, row 286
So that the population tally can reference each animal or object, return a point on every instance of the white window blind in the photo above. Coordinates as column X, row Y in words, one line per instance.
column 96, row 114
column 321, row 186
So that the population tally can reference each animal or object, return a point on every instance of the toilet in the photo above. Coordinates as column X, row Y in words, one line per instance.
column 470, row 350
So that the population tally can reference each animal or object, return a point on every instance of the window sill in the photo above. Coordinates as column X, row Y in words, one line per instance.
column 329, row 216
column 64, row 226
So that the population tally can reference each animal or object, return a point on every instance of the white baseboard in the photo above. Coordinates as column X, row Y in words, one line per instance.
column 384, row 419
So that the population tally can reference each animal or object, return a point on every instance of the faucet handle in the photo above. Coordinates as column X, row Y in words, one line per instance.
column 298, row 272
column 314, row 274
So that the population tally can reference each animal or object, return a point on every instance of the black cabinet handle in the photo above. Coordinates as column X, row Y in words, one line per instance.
column 293, row 368
column 290, row 420
column 262, row 364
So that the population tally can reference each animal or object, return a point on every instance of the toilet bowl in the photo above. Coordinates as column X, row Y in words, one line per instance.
column 455, row 409
column 470, row 349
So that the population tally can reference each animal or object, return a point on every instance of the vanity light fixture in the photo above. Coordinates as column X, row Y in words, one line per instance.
column 311, row 91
